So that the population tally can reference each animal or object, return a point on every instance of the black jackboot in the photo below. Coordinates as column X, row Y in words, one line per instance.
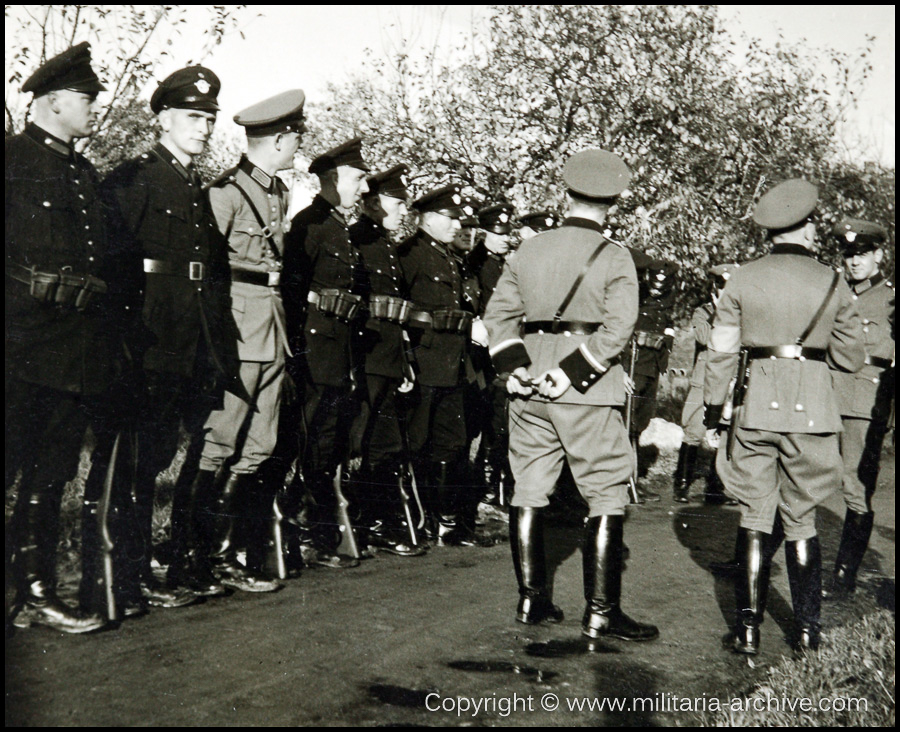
column 715, row 491
column 771, row 544
column 388, row 528
column 455, row 525
column 854, row 541
column 224, row 555
column 684, row 473
column 602, row 558
column 751, row 589
column 526, row 539
column 260, row 531
column 804, row 567
column 38, row 520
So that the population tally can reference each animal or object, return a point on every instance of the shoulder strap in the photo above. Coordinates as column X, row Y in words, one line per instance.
column 809, row 328
column 266, row 231
column 584, row 271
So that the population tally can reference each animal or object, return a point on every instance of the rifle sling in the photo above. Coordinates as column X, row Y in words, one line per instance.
column 574, row 289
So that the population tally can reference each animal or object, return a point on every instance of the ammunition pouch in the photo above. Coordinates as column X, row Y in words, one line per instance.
column 443, row 320
column 335, row 302
column 392, row 309
column 654, row 341
column 63, row 287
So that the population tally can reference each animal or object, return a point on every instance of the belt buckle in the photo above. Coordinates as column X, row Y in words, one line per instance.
column 274, row 279
column 195, row 271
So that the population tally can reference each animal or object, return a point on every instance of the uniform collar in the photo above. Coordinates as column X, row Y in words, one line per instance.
column 51, row 142
column 583, row 223
column 372, row 225
column 162, row 152
column 265, row 181
column 325, row 205
column 797, row 249
column 429, row 239
column 867, row 284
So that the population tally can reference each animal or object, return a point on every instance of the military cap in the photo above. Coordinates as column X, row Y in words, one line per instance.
column 724, row 271
column 447, row 200
column 787, row 204
column 69, row 70
column 390, row 182
column 539, row 221
column 857, row 236
column 347, row 153
column 281, row 113
column 194, row 87
column 498, row 219
column 596, row 174
column 470, row 207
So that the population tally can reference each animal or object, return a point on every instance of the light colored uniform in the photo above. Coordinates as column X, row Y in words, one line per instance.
column 786, row 457
column 692, row 413
column 583, row 426
column 258, row 313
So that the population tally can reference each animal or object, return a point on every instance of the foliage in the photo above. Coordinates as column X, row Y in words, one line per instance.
column 855, row 662
column 129, row 43
column 705, row 129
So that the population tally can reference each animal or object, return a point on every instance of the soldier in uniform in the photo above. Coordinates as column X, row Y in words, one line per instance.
column 692, row 413
column 573, row 295
column 651, row 345
column 532, row 224
column 250, row 205
column 322, row 270
column 387, row 369
column 187, row 356
column 784, row 456
column 491, row 402
column 439, row 327
column 865, row 397
column 57, row 355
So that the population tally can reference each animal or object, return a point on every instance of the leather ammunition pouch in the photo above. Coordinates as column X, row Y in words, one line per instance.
column 450, row 320
column 386, row 307
column 63, row 287
column 335, row 302
column 654, row 341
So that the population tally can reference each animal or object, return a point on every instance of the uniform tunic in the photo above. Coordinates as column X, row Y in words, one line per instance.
column 866, row 396
column 786, row 456
column 583, row 426
column 692, row 413
column 54, row 220
column 258, row 313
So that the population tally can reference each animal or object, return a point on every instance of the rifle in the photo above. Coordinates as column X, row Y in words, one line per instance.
column 629, row 418
column 348, row 538
column 413, row 486
column 106, row 542
column 737, row 399
column 278, row 539
column 404, row 499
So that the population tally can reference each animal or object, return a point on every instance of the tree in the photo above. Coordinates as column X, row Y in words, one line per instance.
column 704, row 130
column 129, row 43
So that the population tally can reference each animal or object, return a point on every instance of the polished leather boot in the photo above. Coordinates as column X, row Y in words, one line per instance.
column 390, row 531
column 854, row 541
column 224, row 557
column 771, row 544
column 602, row 557
column 804, row 568
column 526, row 539
column 453, row 528
column 751, row 588
column 715, row 492
column 684, row 473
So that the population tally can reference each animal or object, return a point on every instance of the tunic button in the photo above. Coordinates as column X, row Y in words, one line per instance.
column 865, row 330
column 81, row 196
column 87, row 227
column 875, row 380
column 90, row 243
column 856, row 297
column 437, row 279
column 312, row 330
column 566, row 333
column 168, row 211
column 810, row 423
column 90, row 259
column 774, row 405
column 865, row 321
column 798, row 407
column 46, row 204
column 584, row 383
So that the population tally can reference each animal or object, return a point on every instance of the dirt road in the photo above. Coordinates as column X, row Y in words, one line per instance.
column 386, row 642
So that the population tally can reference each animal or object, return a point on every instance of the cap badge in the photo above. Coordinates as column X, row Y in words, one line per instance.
column 726, row 275
column 850, row 236
column 548, row 221
column 456, row 199
column 504, row 218
column 202, row 86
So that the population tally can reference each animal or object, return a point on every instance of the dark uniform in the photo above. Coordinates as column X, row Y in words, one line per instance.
column 865, row 399
column 322, row 272
column 490, row 406
column 57, row 348
column 439, row 331
column 692, row 412
column 583, row 425
column 785, row 456
column 185, row 338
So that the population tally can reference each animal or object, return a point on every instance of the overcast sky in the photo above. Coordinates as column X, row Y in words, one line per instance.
column 307, row 46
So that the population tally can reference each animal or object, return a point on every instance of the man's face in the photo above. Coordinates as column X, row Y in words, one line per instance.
column 497, row 243
column 351, row 185
column 865, row 265
column 187, row 130
column 394, row 209
column 76, row 111
column 287, row 144
column 526, row 232
column 441, row 228
column 464, row 239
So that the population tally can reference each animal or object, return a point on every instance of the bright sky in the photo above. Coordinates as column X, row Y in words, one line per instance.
column 307, row 46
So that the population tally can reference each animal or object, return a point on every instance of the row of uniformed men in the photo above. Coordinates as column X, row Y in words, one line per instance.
column 145, row 303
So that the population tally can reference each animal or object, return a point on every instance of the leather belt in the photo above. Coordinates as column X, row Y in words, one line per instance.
column 573, row 327
column 421, row 317
column 194, row 271
column 882, row 363
column 263, row 279
column 792, row 351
